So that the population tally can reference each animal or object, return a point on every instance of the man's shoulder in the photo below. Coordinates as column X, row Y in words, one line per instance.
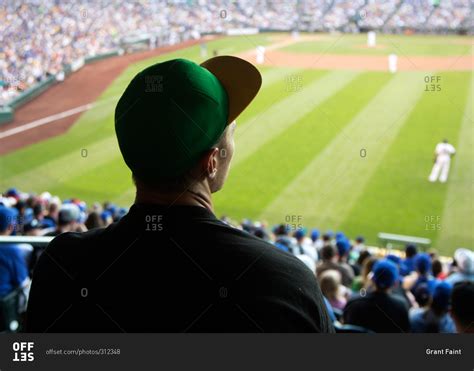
column 78, row 237
column 74, row 242
column 269, row 261
column 265, row 251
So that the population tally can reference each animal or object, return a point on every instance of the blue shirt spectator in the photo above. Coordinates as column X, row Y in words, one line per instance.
column 418, row 322
column 13, row 269
column 465, row 262
column 435, row 318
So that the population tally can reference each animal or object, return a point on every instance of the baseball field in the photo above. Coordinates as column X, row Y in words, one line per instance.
column 332, row 141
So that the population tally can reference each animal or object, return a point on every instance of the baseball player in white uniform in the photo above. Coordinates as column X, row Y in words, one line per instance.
column 443, row 153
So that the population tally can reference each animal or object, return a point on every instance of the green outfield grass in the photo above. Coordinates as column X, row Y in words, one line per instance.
column 414, row 45
column 341, row 150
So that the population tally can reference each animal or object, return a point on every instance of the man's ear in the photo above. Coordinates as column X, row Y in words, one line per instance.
column 209, row 164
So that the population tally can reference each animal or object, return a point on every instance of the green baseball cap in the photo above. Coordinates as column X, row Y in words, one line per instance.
column 173, row 112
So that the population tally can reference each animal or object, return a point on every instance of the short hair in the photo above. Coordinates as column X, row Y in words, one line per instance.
column 329, row 282
column 179, row 183
column 328, row 252
column 462, row 302
column 281, row 230
column 410, row 250
column 364, row 254
column 436, row 267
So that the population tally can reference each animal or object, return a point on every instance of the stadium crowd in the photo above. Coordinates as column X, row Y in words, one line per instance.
column 38, row 38
column 367, row 289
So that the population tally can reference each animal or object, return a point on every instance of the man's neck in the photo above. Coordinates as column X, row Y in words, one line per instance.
column 186, row 198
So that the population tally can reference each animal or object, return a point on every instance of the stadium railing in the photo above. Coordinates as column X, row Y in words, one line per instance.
column 387, row 238
column 35, row 241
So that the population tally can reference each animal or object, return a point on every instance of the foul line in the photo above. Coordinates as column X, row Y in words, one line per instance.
column 52, row 118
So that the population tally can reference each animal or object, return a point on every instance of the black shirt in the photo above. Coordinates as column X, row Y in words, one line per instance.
column 378, row 311
column 172, row 269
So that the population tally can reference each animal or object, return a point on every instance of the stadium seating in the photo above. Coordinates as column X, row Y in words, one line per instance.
column 30, row 53
column 328, row 252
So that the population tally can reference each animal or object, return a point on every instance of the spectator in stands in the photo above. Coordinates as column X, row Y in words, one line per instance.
column 94, row 221
column 13, row 268
column 106, row 217
column 329, row 260
column 408, row 264
column 305, row 245
column 435, row 318
column 421, row 275
column 38, row 216
column 343, row 246
column 327, row 239
column 34, row 228
column 51, row 219
column 359, row 245
column 68, row 218
column 23, row 217
column 317, row 241
column 333, row 290
column 422, row 295
column 465, row 266
column 379, row 311
column 437, row 269
column 176, row 135
column 357, row 266
column 284, row 241
column 462, row 302
column 398, row 288
column 363, row 281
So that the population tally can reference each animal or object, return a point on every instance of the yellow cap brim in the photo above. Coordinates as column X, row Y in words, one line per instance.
column 240, row 79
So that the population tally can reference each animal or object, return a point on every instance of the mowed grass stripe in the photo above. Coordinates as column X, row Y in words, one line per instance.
column 324, row 192
column 59, row 170
column 280, row 116
column 255, row 182
column 94, row 125
column 457, row 219
column 104, row 182
column 274, row 88
column 398, row 198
